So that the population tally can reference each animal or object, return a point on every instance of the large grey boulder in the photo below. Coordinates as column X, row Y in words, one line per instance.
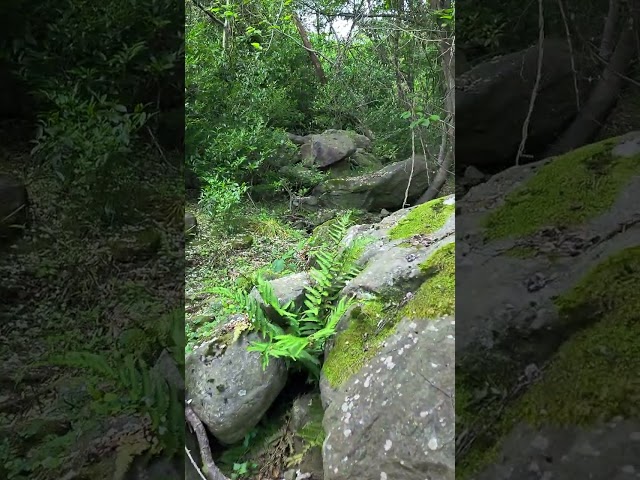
column 331, row 147
column 492, row 102
column 228, row 388
column 395, row 419
column 384, row 188
column 549, row 264
column 290, row 288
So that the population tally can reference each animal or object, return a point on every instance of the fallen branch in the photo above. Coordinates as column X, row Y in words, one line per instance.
column 210, row 469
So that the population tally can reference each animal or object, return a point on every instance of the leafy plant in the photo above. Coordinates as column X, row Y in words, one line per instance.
column 307, row 328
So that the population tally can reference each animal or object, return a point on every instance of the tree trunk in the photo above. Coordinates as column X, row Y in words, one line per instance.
column 446, row 156
column 307, row 45
column 602, row 99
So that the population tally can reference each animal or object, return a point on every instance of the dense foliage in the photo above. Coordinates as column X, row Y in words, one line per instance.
column 250, row 79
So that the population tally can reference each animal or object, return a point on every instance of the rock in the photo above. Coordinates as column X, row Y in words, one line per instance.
column 473, row 176
column 384, row 212
column 14, row 205
column 408, row 271
column 492, row 101
column 139, row 245
column 327, row 148
column 609, row 451
column 229, row 389
column 190, row 224
column 168, row 369
column 384, row 188
column 290, row 288
column 551, row 261
column 242, row 243
column 365, row 160
column 396, row 418
column 298, row 139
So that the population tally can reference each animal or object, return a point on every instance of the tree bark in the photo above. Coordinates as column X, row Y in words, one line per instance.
column 602, row 99
column 307, row 44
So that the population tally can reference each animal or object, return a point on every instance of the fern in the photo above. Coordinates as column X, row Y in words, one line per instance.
column 309, row 328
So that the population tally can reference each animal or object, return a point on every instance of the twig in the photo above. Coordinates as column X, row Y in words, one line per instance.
column 573, row 61
column 413, row 162
column 536, row 85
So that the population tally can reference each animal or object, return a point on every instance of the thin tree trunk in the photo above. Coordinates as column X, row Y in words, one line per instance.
column 446, row 156
column 602, row 99
column 314, row 58
column 608, row 35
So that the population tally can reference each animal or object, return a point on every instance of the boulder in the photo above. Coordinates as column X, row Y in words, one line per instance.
column 329, row 147
column 384, row 188
column 395, row 419
column 190, row 224
column 610, row 450
column 290, row 288
column 228, row 388
column 549, row 261
column 492, row 101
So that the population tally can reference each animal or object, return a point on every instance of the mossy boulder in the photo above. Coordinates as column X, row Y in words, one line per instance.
column 554, row 307
column 384, row 188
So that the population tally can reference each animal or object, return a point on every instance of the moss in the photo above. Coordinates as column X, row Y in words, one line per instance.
column 593, row 375
column 436, row 296
column 358, row 343
column 423, row 219
column 361, row 340
column 566, row 191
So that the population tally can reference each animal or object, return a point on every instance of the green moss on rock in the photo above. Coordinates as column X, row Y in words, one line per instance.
column 358, row 343
column 594, row 374
column 423, row 219
column 436, row 296
column 569, row 190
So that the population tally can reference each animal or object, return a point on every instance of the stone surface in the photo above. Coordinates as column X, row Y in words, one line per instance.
column 492, row 101
column 384, row 188
column 395, row 419
column 228, row 387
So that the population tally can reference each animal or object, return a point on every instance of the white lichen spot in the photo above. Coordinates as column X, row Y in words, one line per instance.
column 345, row 459
column 449, row 201
column 347, row 433
column 367, row 382
column 383, row 476
column 398, row 386
column 335, row 470
column 387, row 445
column 434, row 365
column 451, row 337
column 433, row 444
column 389, row 362
column 242, row 393
column 356, row 396
column 413, row 325
column 345, row 406
column 415, row 340
column 401, row 351
column 378, row 370
column 424, row 414
column 384, row 403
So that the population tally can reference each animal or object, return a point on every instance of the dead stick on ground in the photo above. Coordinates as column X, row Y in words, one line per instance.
column 210, row 470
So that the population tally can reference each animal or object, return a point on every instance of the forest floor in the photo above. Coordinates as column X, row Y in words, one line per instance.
column 68, row 291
